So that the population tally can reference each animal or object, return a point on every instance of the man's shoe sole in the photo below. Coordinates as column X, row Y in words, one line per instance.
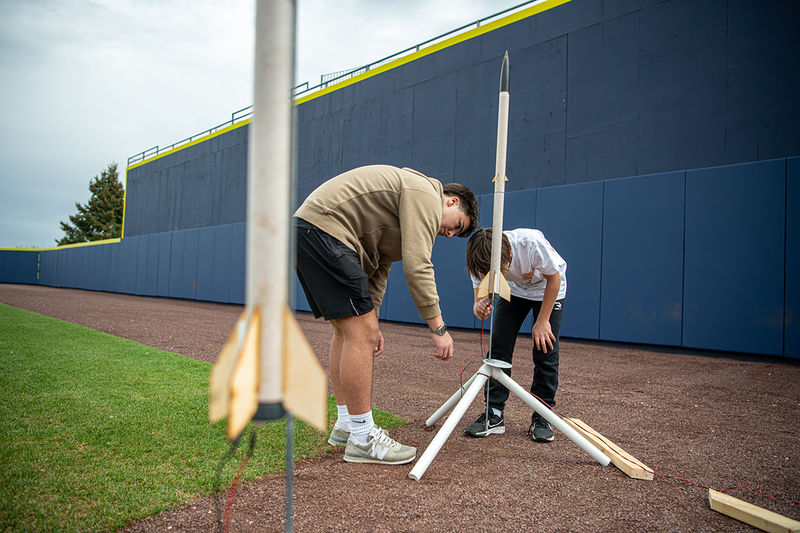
column 334, row 442
column 351, row 459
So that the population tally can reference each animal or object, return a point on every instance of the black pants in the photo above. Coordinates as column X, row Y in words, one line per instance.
column 508, row 318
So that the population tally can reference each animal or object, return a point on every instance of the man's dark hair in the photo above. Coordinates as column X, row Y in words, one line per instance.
column 468, row 203
column 479, row 253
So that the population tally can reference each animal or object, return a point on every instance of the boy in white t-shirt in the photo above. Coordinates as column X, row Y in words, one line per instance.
column 536, row 274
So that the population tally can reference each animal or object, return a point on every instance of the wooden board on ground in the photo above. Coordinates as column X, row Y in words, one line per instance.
column 751, row 514
column 619, row 457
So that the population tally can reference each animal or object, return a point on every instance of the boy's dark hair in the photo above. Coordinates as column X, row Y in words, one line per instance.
column 479, row 253
column 468, row 202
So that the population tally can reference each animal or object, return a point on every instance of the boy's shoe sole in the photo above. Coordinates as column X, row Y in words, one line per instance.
column 497, row 430
column 542, row 432
column 338, row 437
column 479, row 428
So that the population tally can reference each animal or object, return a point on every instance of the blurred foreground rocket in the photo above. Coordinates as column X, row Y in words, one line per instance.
column 267, row 368
column 495, row 283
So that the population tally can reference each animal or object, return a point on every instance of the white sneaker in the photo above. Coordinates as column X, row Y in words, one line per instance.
column 379, row 449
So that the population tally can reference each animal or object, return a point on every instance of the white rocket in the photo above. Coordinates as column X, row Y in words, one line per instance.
column 495, row 283
column 267, row 367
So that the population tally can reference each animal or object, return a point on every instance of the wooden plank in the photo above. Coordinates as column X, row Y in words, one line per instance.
column 751, row 514
column 619, row 457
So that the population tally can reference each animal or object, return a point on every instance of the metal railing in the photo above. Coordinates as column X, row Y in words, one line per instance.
column 327, row 80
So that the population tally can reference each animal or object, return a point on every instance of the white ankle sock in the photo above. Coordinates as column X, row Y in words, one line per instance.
column 497, row 412
column 343, row 420
column 360, row 427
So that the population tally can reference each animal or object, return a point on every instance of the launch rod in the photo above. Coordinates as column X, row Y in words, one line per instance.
column 499, row 177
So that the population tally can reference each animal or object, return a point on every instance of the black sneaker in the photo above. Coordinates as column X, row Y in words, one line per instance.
column 479, row 428
column 541, row 431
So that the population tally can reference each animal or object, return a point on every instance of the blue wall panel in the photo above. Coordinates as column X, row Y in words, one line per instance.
column 19, row 267
column 399, row 306
column 153, row 260
column 221, row 263
column 642, row 269
column 164, row 263
column 734, row 259
column 128, row 269
column 188, row 286
column 238, row 272
column 792, row 312
column 205, row 263
column 452, row 281
column 118, row 269
column 434, row 127
column 140, row 287
column 571, row 218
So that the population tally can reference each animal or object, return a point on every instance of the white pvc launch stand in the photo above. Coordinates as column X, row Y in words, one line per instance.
column 492, row 368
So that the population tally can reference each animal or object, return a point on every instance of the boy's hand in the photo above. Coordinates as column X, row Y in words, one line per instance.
column 543, row 337
column 482, row 308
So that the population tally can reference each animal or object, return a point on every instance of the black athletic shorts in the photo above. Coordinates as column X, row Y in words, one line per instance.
column 331, row 275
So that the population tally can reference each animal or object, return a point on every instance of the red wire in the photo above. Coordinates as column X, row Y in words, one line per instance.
column 232, row 494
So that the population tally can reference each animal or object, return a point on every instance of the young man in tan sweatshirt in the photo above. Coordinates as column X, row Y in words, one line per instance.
column 349, row 232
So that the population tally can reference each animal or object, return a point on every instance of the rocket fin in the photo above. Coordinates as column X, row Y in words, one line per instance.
column 305, row 384
column 505, row 290
column 219, row 382
column 483, row 287
column 244, row 379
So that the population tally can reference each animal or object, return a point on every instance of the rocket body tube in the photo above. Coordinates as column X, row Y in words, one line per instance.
column 499, row 177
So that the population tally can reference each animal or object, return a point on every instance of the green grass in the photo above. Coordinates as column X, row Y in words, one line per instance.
column 96, row 431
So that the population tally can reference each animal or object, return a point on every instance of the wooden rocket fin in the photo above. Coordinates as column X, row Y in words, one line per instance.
column 505, row 290
column 244, row 380
column 219, row 383
column 233, row 387
column 305, row 384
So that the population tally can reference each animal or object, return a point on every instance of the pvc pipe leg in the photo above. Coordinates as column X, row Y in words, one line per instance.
column 551, row 417
column 446, row 406
column 447, row 428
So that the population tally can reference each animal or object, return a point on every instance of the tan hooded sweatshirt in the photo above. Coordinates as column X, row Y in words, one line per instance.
column 384, row 214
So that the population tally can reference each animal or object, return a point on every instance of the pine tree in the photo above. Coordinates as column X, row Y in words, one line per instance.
column 101, row 217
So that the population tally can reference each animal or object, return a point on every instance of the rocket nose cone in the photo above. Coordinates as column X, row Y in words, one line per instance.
column 504, row 75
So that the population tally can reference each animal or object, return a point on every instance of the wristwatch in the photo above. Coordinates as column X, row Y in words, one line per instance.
column 441, row 330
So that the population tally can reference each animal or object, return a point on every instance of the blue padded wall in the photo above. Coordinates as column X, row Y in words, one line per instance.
column 792, row 310
column 571, row 218
column 452, row 281
column 398, row 305
column 734, row 259
column 642, row 267
column 18, row 266
column 201, row 185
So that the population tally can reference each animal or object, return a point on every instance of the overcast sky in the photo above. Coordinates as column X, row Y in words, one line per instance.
column 84, row 83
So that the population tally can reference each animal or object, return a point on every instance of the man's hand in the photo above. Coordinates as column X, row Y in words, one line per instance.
column 378, row 345
column 543, row 337
column 444, row 346
column 482, row 308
